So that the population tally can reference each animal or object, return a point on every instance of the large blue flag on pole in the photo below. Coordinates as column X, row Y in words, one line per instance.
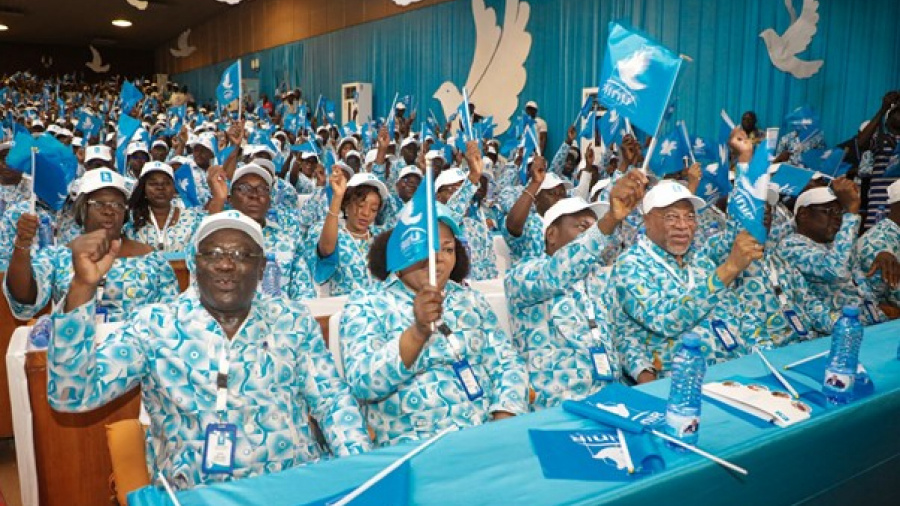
column 229, row 88
column 129, row 97
column 125, row 131
column 55, row 166
column 668, row 155
column 790, row 180
column 748, row 200
column 409, row 241
column 637, row 77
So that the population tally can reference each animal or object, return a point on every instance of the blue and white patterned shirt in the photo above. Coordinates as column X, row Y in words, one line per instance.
column 174, row 238
column 408, row 404
column 279, row 374
column 884, row 236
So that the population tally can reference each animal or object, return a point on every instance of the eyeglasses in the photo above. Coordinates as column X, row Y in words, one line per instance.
column 216, row 255
column 674, row 218
column 831, row 212
column 248, row 189
column 99, row 205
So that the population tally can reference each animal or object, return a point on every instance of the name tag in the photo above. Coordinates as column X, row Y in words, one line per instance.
column 218, row 451
column 101, row 315
column 467, row 379
column 723, row 334
column 602, row 369
column 872, row 311
column 794, row 320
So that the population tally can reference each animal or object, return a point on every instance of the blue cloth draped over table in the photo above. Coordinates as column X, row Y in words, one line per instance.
column 495, row 463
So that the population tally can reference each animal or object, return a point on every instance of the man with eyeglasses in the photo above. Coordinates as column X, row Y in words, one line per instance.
column 822, row 248
column 663, row 288
column 229, row 378
column 251, row 195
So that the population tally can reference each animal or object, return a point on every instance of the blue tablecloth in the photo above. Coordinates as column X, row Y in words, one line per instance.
column 495, row 464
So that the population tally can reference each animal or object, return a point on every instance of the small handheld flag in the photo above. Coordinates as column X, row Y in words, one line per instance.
column 413, row 239
column 748, row 200
column 229, row 88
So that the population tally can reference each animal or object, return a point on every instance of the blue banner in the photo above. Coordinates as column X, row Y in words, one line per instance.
column 747, row 203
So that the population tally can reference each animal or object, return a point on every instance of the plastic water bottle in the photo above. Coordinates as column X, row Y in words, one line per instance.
column 45, row 232
column 840, row 374
column 271, row 282
column 683, row 408
column 40, row 333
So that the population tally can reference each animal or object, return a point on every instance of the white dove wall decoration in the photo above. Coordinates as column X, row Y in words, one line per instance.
column 183, row 50
column 783, row 49
column 497, row 75
column 96, row 64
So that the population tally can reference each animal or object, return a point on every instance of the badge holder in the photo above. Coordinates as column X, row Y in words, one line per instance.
column 461, row 367
column 221, row 437
column 872, row 310
column 601, row 368
column 720, row 329
column 101, row 313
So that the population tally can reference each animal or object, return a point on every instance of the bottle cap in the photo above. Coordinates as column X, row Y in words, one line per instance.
column 851, row 310
column 691, row 340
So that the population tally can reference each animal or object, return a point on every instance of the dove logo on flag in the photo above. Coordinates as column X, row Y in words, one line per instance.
column 748, row 201
column 407, row 217
column 668, row 146
column 605, row 447
column 229, row 87
column 623, row 83
column 644, row 417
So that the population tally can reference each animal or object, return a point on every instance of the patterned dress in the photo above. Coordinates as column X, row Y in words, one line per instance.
column 131, row 283
column 347, row 268
column 408, row 404
column 551, row 300
column 280, row 239
column 279, row 374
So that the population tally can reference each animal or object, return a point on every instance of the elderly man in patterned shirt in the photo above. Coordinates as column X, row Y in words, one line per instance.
column 229, row 378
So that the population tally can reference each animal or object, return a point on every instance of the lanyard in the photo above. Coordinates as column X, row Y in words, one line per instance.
column 772, row 273
column 649, row 250
column 101, row 288
column 162, row 232
column 591, row 314
column 222, row 382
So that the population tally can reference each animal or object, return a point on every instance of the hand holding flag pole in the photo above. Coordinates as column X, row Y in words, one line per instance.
column 33, row 198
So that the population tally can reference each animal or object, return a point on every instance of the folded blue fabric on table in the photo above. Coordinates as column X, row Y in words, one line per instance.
column 594, row 455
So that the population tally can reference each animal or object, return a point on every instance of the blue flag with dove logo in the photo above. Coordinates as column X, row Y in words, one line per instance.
column 637, row 77
column 55, row 166
column 229, row 88
column 748, row 200
column 408, row 243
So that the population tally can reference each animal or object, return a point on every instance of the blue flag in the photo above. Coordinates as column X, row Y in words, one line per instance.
column 748, row 200
column 612, row 127
column 175, row 119
column 129, row 97
column 465, row 121
column 292, row 123
column 184, row 183
column 828, row 162
column 229, row 88
column 637, row 77
column 703, row 150
column 668, row 157
column 594, row 455
column 791, row 180
column 88, row 124
column 804, row 121
column 408, row 243
column 714, row 182
column 328, row 161
column 124, row 132
column 328, row 109
column 591, row 126
column 55, row 166
column 621, row 407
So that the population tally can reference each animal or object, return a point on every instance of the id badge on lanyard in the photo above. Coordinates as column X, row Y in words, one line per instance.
column 221, row 437
column 601, row 365
column 466, row 376
column 790, row 314
column 101, row 313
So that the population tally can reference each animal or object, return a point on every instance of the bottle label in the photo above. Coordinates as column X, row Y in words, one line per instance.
column 839, row 382
column 683, row 425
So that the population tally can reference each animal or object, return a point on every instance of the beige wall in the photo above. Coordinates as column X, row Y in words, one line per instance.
column 254, row 25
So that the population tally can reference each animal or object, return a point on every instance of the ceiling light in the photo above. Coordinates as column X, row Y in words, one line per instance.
column 121, row 23
column 3, row 28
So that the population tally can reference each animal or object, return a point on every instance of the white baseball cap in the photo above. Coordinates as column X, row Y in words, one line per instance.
column 407, row 141
column 206, row 141
column 401, row 106
column 160, row 143
column 551, row 181
column 252, row 168
column 98, row 179
column 231, row 219
column 821, row 195
column 77, row 142
column 353, row 152
column 409, row 169
column 368, row 179
column 264, row 163
column 346, row 168
column 435, row 153
column 448, row 177
column 157, row 167
column 63, row 132
column 351, row 140
column 371, row 155
column 97, row 152
column 136, row 147
column 531, row 103
column 572, row 205
column 893, row 192
column 666, row 193
column 181, row 160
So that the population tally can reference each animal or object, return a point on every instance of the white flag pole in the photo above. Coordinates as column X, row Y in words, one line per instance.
column 32, row 200
column 431, row 232
column 698, row 451
column 687, row 139
column 389, row 469
column 469, row 133
column 240, row 92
